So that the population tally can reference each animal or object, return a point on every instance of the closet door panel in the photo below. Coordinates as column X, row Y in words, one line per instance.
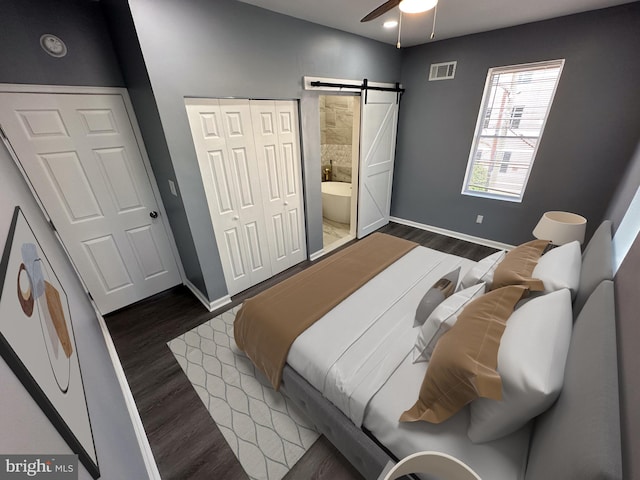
column 234, row 255
column 217, row 171
column 291, row 179
column 296, row 224
column 249, row 157
column 220, row 180
column 279, row 244
column 272, row 173
column 257, row 261
column 246, row 191
column 291, row 170
column 239, row 136
column 269, row 161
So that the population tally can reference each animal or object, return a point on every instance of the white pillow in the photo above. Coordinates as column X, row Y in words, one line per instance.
column 531, row 360
column 482, row 271
column 438, row 293
column 560, row 268
column 441, row 320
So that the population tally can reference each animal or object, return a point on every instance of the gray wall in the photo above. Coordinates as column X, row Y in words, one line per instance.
column 24, row 428
column 90, row 61
column 79, row 23
column 590, row 135
column 199, row 48
column 627, row 308
column 626, row 191
column 136, row 77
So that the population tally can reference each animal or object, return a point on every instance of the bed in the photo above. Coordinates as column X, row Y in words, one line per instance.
column 353, row 372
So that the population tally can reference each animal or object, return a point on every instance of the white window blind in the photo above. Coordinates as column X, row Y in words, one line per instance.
column 514, row 110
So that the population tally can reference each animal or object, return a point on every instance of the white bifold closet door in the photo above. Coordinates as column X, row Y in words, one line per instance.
column 275, row 126
column 249, row 158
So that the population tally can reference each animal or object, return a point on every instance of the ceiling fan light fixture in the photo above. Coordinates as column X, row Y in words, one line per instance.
column 417, row 6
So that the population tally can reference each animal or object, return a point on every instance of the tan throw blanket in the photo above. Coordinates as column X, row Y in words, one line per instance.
column 267, row 324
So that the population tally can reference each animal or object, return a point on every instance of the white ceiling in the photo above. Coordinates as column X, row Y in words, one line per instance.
column 454, row 17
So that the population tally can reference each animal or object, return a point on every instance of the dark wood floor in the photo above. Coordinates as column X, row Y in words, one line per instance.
column 185, row 440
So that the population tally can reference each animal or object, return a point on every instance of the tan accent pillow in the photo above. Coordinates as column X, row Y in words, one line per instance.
column 518, row 265
column 464, row 361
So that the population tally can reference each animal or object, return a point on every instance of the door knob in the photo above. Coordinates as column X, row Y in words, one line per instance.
column 286, row 203
column 153, row 214
column 236, row 217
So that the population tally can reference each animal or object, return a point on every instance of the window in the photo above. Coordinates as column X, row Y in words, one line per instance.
column 514, row 110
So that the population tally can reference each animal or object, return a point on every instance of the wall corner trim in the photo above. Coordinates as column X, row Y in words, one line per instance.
column 211, row 306
column 451, row 233
column 138, row 427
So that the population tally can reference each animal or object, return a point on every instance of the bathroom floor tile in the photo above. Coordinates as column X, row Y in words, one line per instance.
column 333, row 231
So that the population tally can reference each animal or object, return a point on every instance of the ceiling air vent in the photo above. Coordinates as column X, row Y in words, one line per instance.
column 442, row 71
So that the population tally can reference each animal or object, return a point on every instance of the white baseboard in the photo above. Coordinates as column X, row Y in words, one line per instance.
column 451, row 233
column 141, row 435
column 211, row 306
column 316, row 255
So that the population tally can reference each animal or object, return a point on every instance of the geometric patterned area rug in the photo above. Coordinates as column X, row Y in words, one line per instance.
column 266, row 432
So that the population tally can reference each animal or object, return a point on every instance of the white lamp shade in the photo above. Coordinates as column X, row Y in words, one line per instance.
column 417, row 6
column 561, row 227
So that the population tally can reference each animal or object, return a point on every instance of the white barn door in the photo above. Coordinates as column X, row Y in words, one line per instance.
column 378, row 128
column 82, row 158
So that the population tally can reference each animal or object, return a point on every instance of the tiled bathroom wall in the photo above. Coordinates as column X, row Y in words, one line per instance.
column 336, row 130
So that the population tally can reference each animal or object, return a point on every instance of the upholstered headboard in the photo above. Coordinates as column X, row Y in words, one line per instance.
column 579, row 436
column 597, row 264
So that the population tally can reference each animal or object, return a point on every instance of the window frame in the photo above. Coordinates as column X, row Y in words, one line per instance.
column 559, row 63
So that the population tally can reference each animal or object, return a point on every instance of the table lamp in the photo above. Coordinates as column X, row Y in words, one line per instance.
column 561, row 227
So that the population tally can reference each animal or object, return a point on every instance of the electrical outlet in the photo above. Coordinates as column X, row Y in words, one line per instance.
column 479, row 219
column 172, row 187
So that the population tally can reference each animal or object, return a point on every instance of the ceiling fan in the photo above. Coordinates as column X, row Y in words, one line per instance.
column 406, row 6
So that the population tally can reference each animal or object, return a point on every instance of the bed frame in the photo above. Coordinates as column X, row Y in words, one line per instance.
column 577, row 438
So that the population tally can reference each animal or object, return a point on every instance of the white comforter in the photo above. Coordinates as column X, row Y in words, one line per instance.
column 352, row 351
column 358, row 356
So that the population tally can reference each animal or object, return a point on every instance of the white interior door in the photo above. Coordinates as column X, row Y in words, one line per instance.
column 275, row 125
column 379, row 120
column 84, row 162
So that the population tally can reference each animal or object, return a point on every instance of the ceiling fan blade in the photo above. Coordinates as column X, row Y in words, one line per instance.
column 381, row 10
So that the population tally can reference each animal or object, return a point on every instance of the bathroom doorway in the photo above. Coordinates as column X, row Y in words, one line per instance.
column 340, row 152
